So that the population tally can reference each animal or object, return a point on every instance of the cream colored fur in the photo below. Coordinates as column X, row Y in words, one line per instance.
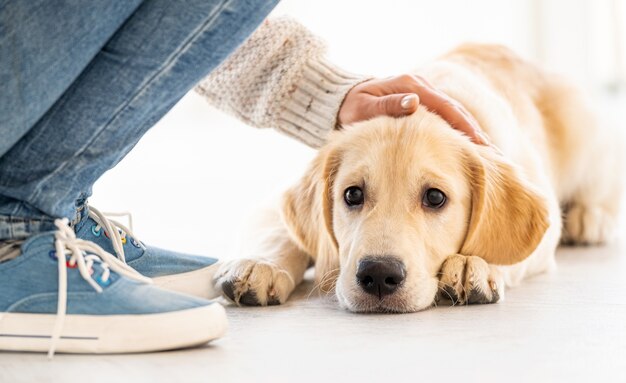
column 503, row 218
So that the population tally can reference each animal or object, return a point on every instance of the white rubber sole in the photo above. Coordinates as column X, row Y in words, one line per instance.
column 198, row 282
column 112, row 334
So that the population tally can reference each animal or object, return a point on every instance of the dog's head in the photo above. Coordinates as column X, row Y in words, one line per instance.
column 387, row 200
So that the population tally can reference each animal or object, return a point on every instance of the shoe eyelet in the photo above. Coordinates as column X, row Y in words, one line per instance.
column 124, row 240
column 70, row 265
column 135, row 243
column 53, row 254
column 95, row 231
column 102, row 282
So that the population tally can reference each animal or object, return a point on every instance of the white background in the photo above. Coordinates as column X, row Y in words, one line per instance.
column 196, row 176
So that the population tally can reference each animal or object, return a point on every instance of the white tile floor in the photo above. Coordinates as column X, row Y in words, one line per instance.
column 567, row 326
column 194, row 177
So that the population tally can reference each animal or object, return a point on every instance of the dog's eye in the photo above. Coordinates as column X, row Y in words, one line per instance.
column 434, row 198
column 353, row 196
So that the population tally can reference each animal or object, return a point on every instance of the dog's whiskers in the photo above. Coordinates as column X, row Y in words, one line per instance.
column 325, row 278
column 454, row 301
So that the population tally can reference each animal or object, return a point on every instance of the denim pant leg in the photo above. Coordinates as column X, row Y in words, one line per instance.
column 44, row 47
column 161, row 52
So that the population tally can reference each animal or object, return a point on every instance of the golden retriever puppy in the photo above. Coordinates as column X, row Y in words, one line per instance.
column 397, row 213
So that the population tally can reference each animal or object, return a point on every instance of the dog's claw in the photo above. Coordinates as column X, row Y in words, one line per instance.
column 249, row 298
column 228, row 288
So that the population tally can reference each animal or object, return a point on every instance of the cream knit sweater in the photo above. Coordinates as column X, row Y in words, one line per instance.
column 278, row 78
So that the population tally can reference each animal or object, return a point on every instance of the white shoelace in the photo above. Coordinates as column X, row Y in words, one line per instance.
column 111, row 227
column 82, row 254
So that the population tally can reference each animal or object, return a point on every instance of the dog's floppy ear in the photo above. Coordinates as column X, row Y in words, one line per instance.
column 307, row 211
column 508, row 217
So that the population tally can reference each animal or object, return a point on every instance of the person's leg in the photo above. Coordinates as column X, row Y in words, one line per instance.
column 44, row 46
column 159, row 53
column 162, row 50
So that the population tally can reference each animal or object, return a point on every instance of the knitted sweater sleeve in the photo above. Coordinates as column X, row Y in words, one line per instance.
column 279, row 78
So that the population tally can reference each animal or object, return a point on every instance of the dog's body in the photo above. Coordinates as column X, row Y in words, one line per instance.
column 369, row 214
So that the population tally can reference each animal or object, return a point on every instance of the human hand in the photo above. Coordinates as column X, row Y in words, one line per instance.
column 400, row 96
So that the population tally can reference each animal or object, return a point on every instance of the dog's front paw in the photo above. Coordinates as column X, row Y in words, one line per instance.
column 254, row 282
column 587, row 225
column 469, row 280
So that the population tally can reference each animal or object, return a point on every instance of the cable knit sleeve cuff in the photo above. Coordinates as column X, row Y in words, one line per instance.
column 279, row 79
column 310, row 112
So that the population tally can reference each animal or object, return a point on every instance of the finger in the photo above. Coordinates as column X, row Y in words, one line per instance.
column 397, row 85
column 397, row 105
column 438, row 102
column 454, row 114
column 406, row 83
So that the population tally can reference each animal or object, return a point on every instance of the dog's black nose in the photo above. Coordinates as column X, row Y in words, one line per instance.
column 380, row 276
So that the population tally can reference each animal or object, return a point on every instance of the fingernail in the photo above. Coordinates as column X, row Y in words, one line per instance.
column 408, row 101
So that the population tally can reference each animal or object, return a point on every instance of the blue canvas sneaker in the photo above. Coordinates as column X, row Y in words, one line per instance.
column 66, row 294
column 184, row 273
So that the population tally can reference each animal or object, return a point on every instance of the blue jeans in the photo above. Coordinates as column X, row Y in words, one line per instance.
column 83, row 80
